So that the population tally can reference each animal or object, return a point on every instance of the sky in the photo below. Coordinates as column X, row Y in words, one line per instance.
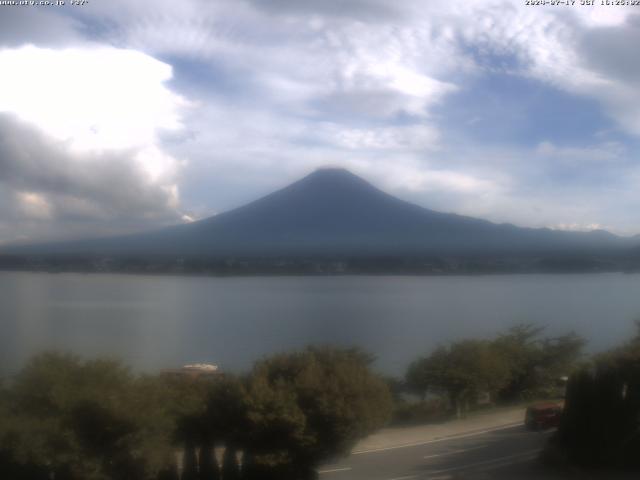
column 120, row 116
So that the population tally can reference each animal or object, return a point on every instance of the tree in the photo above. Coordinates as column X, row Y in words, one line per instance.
column 536, row 363
column 169, row 472
column 520, row 347
column 225, row 415
column 189, row 461
column 95, row 420
column 207, row 463
column 417, row 377
column 600, row 425
column 308, row 406
column 276, row 428
column 462, row 371
column 230, row 467
column 89, row 420
column 225, row 419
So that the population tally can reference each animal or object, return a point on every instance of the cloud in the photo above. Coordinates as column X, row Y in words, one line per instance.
column 411, row 138
column 294, row 60
column 606, row 152
column 34, row 205
column 39, row 26
column 47, row 176
column 581, row 51
column 375, row 10
column 279, row 88
column 81, row 146
column 578, row 227
column 96, row 98
column 607, row 49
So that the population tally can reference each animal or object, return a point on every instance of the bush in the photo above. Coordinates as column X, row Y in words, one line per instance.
column 424, row 411
column 601, row 422
column 84, row 420
column 95, row 420
column 310, row 406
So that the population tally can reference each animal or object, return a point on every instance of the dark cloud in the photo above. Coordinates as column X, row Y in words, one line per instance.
column 613, row 51
column 21, row 25
column 360, row 9
column 45, row 187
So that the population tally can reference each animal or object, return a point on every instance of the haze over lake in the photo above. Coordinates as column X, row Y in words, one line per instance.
column 153, row 322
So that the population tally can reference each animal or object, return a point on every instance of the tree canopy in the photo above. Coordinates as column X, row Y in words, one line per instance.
column 461, row 370
column 536, row 363
column 600, row 425
column 516, row 365
column 308, row 406
column 95, row 420
column 85, row 420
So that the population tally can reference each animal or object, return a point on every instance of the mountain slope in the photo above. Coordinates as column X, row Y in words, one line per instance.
column 333, row 212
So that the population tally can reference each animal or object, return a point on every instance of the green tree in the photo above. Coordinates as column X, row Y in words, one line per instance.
column 309, row 406
column 225, row 415
column 85, row 420
column 462, row 371
column 536, row 363
column 225, row 420
column 520, row 346
column 276, row 428
column 186, row 404
column 95, row 420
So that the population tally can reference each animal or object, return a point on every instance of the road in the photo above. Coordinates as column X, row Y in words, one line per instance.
column 500, row 453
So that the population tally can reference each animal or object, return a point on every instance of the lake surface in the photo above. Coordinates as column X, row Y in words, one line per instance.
column 153, row 322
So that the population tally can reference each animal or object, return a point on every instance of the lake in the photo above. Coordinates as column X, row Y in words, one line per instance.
column 153, row 322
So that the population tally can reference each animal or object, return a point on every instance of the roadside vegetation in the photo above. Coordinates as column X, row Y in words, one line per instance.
column 517, row 366
column 600, row 425
column 70, row 419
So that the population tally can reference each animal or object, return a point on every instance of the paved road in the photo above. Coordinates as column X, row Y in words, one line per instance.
column 500, row 453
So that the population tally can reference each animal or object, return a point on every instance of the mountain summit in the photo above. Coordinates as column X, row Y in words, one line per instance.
column 334, row 212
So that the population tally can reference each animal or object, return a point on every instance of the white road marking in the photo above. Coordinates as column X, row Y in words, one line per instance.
column 334, row 470
column 499, row 460
column 454, row 452
column 404, row 478
column 438, row 440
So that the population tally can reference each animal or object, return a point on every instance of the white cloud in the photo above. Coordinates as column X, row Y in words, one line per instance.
column 578, row 227
column 555, row 46
column 412, row 138
column 81, row 136
column 326, row 86
column 94, row 99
